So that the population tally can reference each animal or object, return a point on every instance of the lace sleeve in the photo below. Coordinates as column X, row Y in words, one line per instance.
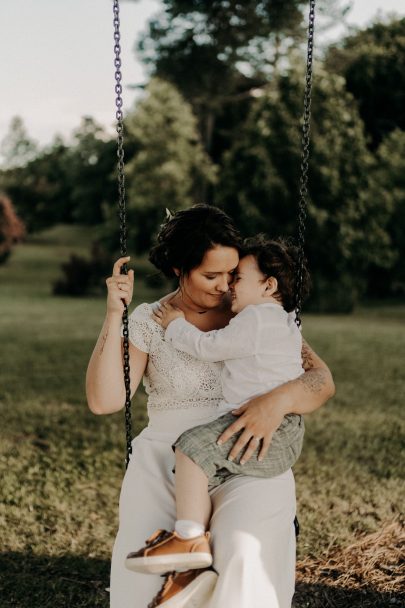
column 140, row 327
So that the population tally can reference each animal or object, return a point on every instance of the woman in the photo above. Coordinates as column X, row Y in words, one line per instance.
column 251, row 526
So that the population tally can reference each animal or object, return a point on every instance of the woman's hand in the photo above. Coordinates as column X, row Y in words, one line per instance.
column 260, row 417
column 166, row 313
column 120, row 287
column 259, row 421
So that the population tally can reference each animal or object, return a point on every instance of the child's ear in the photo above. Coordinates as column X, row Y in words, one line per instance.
column 176, row 270
column 271, row 286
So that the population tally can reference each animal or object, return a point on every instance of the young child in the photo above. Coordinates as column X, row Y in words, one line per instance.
column 260, row 349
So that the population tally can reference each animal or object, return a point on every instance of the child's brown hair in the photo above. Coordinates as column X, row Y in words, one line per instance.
column 278, row 258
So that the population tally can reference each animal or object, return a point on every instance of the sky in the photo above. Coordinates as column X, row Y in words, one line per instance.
column 57, row 59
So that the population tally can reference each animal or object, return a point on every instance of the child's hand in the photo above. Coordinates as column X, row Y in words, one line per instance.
column 166, row 313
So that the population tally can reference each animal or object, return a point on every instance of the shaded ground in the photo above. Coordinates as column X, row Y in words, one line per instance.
column 70, row 580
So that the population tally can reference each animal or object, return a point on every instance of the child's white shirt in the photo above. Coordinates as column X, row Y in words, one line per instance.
column 260, row 349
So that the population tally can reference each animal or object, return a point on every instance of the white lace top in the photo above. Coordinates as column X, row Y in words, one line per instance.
column 173, row 379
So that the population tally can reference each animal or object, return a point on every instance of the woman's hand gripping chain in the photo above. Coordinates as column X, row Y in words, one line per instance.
column 166, row 313
column 120, row 287
column 259, row 422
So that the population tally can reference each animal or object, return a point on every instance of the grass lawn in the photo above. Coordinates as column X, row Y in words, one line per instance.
column 61, row 466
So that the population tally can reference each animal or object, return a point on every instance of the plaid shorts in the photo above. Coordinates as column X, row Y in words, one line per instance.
column 199, row 444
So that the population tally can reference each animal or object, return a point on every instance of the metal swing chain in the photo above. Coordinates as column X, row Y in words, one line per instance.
column 122, row 219
column 302, row 213
column 303, row 192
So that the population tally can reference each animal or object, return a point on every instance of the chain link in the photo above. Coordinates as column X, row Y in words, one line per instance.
column 303, row 194
column 303, row 191
column 122, row 219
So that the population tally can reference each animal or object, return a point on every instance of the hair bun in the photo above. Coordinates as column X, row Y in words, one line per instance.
column 186, row 236
column 159, row 256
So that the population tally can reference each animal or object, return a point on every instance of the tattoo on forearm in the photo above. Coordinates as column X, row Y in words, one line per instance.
column 313, row 380
column 103, row 341
column 306, row 354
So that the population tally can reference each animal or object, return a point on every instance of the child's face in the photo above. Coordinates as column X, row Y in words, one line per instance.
column 249, row 285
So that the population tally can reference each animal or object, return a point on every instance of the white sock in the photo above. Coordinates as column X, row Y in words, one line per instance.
column 186, row 528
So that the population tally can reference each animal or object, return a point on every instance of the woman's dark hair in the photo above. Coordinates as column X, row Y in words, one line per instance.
column 278, row 258
column 185, row 238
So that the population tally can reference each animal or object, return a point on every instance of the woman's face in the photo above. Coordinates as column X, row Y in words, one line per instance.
column 206, row 285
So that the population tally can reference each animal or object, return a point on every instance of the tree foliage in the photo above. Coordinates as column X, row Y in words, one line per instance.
column 169, row 167
column 214, row 51
column 372, row 62
column 220, row 122
column 259, row 183
column 64, row 183
column 227, row 34
column 17, row 148
column 40, row 189
column 217, row 52
column 387, row 190
column 91, row 162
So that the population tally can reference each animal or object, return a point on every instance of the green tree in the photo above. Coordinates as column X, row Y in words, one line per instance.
column 387, row 276
column 40, row 189
column 260, row 178
column 66, row 183
column 17, row 148
column 91, row 162
column 214, row 52
column 217, row 52
column 372, row 61
column 169, row 167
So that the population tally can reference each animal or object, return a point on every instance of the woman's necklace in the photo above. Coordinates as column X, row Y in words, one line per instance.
column 189, row 308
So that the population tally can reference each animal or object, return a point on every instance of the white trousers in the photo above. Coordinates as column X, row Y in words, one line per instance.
column 252, row 529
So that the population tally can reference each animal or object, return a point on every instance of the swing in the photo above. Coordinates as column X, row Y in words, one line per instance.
column 302, row 202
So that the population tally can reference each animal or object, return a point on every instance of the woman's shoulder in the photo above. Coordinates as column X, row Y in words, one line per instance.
column 142, row 328
column 146, row 308
column 143, row 310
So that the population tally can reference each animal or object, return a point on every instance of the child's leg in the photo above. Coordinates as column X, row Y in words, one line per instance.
column 193, row 504
column 187, row 548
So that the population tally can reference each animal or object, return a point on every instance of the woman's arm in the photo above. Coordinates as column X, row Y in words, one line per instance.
column 312, row 389
column 260, row 417
column 105, row 387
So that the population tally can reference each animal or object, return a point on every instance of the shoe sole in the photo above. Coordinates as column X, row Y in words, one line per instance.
column 196, row 594
column 165, row 563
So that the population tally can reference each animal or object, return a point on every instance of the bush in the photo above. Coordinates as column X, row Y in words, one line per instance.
column 12, row 229
column 84, row 275
column 333, row 296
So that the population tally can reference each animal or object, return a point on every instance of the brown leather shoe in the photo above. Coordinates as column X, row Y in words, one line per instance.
column 190, row 589
column 166, row 551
